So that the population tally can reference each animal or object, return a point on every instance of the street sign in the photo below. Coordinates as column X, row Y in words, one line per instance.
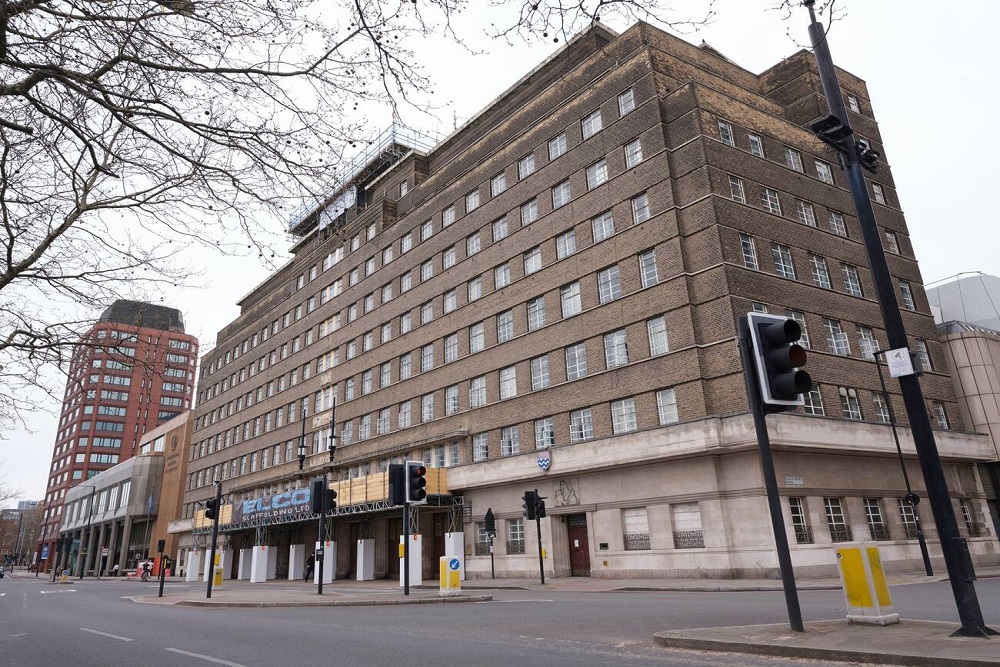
column 899, row 362
column 454, row 564
column 45, row 551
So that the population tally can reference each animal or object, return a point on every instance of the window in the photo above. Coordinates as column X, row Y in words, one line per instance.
column 405, row 365
column 749, row 251
column 450, row 301
column 891, row 242
column 626, row 102
column 427, row 312
column 881, row 407
column 616, row 349
column 529, row 212
column 384, row 423
column 823, row 172
column 526, row 166
column 536, row 313
column 836, row 339
column 974, row 529
column 940, row 414
column 405, row 323
column 852, row 103
column 404, row 187
column 736, row 189
column 448, row 259
column 505, row 326
column 576, row 361
column 852, row 282
column 426, row 230
column 793, row 159
column 591, row 124
column 560, row 195
column 633, row 153
column 427, row 407
column 405, row 282
column 387, row 293
column 448, row 215
column 450, row 348
column 640, row 208
column 508, row 382
column 800, row 521
column 837, row 224
column 501, row 276
column 878, row 193
column 473, row 244
column 907, row 294
column 657, row 330
column 477, row 338
column 406, row 243
column 687, row 526
column 427, row 270
column 471, row 203
column 597, row 174
column 510, row 441
column 557, row 146
column 609, row 284
column 635, row 533
column 666, row 406
column 475, row 289
column 569, row 298
column 769, row 199
column 500, row 228
column 876, row 524
column 451, row 404
column 532, row 261
column 385, row 375
column 806, row 213
column 910, row 519
column 566, row 244
column 726, row 133
column 480, row 447
column 782, row 256
column 819, row 272
column 426, row 358
column 840, row 531
column 623, row 416
column 581, row 425
column 867, row 343
column 849, row 403
column 539, row 372
column 814, row 402
column 647, row 268
column 477, row 392
column 603, row 226
column 756, row 145
column 498, row 184
column 923, row 356
column 515, row 536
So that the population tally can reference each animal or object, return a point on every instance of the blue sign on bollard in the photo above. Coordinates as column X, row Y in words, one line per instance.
column 453, row 564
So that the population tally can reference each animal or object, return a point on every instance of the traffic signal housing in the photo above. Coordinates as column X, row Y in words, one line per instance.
column 397, row 484
column 778, row 359
column 416, row 482
column 539, row 505
column 211, row 509
column 322, row 496
column 529, row 504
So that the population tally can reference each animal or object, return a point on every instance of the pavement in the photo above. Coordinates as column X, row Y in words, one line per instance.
column 909, row 642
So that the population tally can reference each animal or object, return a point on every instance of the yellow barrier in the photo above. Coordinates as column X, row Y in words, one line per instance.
column 865, row 590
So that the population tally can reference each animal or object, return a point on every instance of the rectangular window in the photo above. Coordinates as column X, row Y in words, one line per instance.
column 529, row 212
column 536, row 313
column 427, row 407
column 647, row 268
column 640, row 208
column 526, row 166
column 515, row 536
column 591, row 124
column 471, row 203
column 852, row 103
column 616, row 349
column 867, row 343
column 736, row 189
column 824, row 172
column 405, row 282
column 448, row 258
column 849, row 403
column 545, row 434
column 623, row 417
column 910, row 519
column 576, row 361
column 385, row 375
column 448, row 215
column 923, row 356
column 557, row 146
column 498, row 184
column 940, row 414
column 405, row 366
column 426, row 358
column 427, row 312
column 819, row 272
column 657, row 330
column 570, row 300
column 532, row 261
column 800, row 521
column 539, row 372
column 666, row 406
column 477, row 338
column 769, row 200
column 836, row 338
column 450, row 348
column 566, row 244
column 806, row 213
column 505, row 326
column 877, row 527
column 581, row 425
column 480, row 447
column 475, row 289
column 508, row 382
column 426, row 230
column 473, row 244
column 749, row 251
column 814, row 402
column 635, row 529
column 726, row 133
column 561, row 195
column 405, row 323
column 837, row 224
column 836, row 521
column 501, row 276
column 793, row 159
column 626, row 102
column 907, row 293
column 891, row 242
column 881, row 407
column 756, row 145
column 510, row 441
column 782, row 256
column 609, row 284
column 451, row 404
column 878, row 193
column 603, row 226
column 852, row 282
column 688, row 532
column 477, row 392
column 406, row 243
column 633, row 153
column 597, row 174
column 450, row 301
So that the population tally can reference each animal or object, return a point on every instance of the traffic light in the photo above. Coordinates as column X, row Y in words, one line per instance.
column 416, row 482
column 397, row 484
column 211, row 509
column 322, row 496
column 777, row 359
column 530, row 504
column 539, row 506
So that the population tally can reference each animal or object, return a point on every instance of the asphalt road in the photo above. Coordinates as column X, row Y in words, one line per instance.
column 93, row 623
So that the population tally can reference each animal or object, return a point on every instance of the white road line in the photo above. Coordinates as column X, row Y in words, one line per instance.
column 510, row 601
column 209, row 658
column 105, row 634
column 2, row 594
column 65, row 590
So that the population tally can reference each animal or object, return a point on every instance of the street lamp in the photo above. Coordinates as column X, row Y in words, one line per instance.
column 81, row 555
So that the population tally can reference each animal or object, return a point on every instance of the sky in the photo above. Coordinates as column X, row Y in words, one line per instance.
column 928, row 66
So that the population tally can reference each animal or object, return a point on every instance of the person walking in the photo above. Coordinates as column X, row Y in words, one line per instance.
column 310, row 563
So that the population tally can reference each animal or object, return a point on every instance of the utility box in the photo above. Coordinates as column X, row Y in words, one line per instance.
column 863, row 581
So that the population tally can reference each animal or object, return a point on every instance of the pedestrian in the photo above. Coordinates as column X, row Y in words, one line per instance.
column 309, row 567
column 114, row 570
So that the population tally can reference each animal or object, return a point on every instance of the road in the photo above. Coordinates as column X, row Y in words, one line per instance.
column 94, row 623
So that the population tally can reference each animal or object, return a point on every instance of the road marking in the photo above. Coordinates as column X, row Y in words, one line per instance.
column 65, row 590
column 209, row 658
column 105, row 634
column 509, row 601
column 2, row 594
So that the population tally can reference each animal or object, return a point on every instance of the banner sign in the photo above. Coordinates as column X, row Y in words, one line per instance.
column 273, row 507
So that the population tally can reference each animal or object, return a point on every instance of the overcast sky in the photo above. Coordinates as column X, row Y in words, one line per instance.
column 928, row 66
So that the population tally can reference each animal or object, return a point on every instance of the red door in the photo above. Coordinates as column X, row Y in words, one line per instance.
column 579, row 547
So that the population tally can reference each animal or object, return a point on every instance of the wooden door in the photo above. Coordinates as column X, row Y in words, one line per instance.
column 579, row 546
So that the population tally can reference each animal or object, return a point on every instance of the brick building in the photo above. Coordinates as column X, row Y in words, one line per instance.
column 135, row 371
column 548, row 298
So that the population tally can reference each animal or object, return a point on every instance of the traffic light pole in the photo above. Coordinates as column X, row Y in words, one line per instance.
column 541, row 559
column 406, row 547
column 215, row 535
column 321, row 552
column 770, row 480
column 955, row 551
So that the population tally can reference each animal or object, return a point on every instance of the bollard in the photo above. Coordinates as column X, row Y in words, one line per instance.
column 451, row 581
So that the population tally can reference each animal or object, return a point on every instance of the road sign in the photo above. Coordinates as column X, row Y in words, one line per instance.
column 899, row 362
column 454, row 564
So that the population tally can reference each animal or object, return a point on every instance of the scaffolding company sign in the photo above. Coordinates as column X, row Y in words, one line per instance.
column 273, row 507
